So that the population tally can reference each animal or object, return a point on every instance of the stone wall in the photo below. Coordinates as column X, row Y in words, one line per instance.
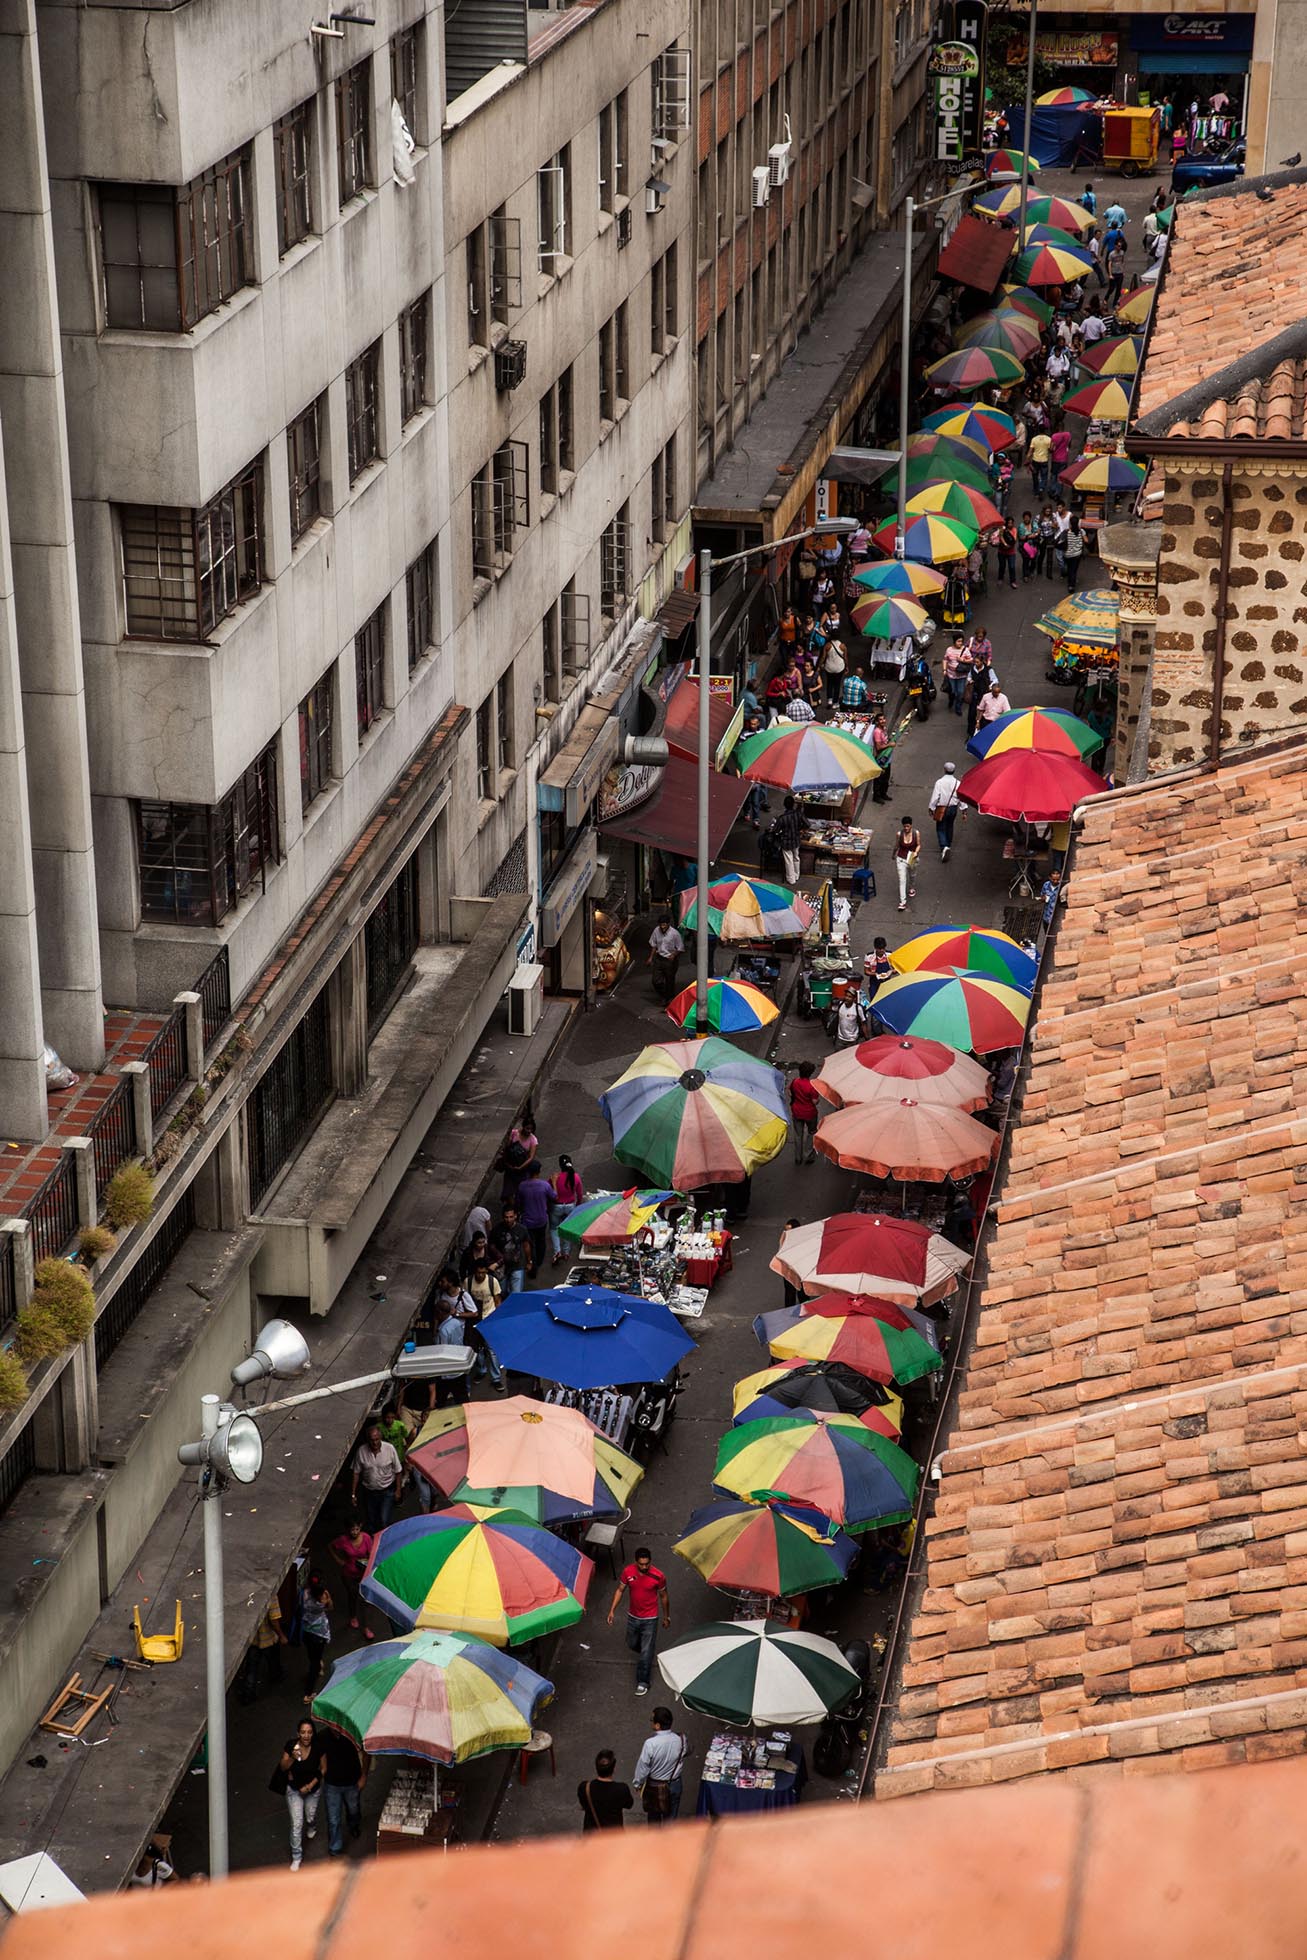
column 1266, row 635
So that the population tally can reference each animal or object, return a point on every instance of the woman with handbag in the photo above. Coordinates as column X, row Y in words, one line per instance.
column 907, row 851
column 833, row 668
column 298, row 1778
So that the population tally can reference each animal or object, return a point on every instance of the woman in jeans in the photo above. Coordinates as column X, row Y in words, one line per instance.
column 299, row 1766
column 568, row 1193
column 315, row 1629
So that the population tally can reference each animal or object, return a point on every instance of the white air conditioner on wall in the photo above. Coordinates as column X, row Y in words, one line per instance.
column 761, row 186
column 779, row 158
column 526, row 998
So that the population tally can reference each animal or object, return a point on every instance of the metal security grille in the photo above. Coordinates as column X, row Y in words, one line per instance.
column 293, row 145
column 195, row 864
column 304, row 456
column 413, row 335
column 213, row 236
column 166, row 1060
column 145, row 1275
column 113, row 1134
column 8, row 1289
column 184, row 571
column 214, row 990
column 354, row 130
column 361, row 427
column 287, row 1102
column 370, row 669
column 17, row 1464
column 390, row 939
column 511, row 875
column 52, row 1213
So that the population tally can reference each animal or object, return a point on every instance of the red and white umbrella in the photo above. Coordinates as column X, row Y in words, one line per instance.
column 896, row 1065
column 870, row 1252
column 917, row 1143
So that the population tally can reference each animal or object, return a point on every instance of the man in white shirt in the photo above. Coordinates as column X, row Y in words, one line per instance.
column 849, row 1027
column 1092, row 326
column 944, row 809
column 659, row 1767
column 993, row 703
column 665, row 948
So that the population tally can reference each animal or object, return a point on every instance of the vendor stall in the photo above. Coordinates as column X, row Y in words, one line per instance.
column 743, row 1774
column 834, row 848
column 421, row 1810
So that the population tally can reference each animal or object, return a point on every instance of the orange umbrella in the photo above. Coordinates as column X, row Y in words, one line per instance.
column 912, row 1141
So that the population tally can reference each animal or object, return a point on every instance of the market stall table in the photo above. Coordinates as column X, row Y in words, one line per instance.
column 421, row 1810
column 835, row 849
column 723, row 1794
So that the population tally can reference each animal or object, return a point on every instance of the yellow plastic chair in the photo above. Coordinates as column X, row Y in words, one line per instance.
column 158, row 1646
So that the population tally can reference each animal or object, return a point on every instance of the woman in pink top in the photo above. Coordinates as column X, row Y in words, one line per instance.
column 568, row 1193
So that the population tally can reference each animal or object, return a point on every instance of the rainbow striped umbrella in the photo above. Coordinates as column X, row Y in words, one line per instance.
column 891, row 1065
column 944, row 499
column 1053, row 265
column 612, row 1217
column 807, row 757
column 1015, row 332
column 929, row 469
column 970, row 1011
column 1104, row 473
column 441, row 1696
column 1055, row 730
column 975, row 367
column 1135, row 308
column 977, row 949
column 1051, row 235
column 697, row 1112
column 1119, row 354
column 1005, row 162
column 1027, row 301
column 882, row 616
column 546, row 1462
column 935, row 539
column 858, row 1479
column 1041, row 209
column 1065, row 98
column 475, row 1570
column 741, row 908
column 734, row 1007
column 775, row 1548
column 883, row 1348
column 825, row 1389
column 989, row 428
column 1108, row 399
column 903, row 577
column 1028, row 786
column 1086, row 619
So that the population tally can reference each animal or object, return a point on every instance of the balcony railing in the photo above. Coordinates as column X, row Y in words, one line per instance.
column 52, row 1213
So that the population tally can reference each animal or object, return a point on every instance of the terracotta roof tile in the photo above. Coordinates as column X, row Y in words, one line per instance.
column 1117, row 1560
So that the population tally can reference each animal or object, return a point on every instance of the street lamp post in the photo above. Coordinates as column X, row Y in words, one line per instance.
column 230, row 1449
column 833, row 527
column 1025, row 146
column 910, row 209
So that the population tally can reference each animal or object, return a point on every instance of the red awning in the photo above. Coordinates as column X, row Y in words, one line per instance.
column 670, row 819
column 681, row 727
column 977, row 252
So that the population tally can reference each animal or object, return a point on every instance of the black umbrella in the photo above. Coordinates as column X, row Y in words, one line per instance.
column 825, row 1387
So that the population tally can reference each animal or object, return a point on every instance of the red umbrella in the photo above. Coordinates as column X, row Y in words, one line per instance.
column 890, row 1313
column 869, row 1252
column 897, row 1065
column 911, row 1141
column 1030, row 785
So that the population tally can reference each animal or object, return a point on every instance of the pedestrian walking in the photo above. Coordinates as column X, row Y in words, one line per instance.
column 1073, row 550
column 1005, row 544
column 1047, row 533
column 603, row 1800
column 1040, row 449
column 299, row 1775
column 315, row 1630
column 535, row 1193
column 993, row 703
column 882, row 749
column 1027, row 546
column 514, row 1247
column 1115, row 273
column 833, row 665
column 379, row 1474
column 1050, row 891
column 351, row 1551
column 665, row 949
column 344, row 1772
column 569, row 1192
column 954, row 680
column 789, row 831
column 944, row 809
column 658, row 1771
column 264, row 1653
column 645, row 1588
column 850, row 1022
column 803, row 1112
column 907, row 852
column 1089, row 201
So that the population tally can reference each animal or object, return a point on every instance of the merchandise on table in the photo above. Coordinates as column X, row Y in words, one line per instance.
column 420, row 1810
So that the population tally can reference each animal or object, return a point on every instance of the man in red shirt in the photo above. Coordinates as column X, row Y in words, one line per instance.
column 803, row 1113
column 644, row 1586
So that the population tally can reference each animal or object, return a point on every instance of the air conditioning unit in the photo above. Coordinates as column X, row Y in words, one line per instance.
column 779, row 159
column 624, row 226
column 761, row 186
column 510, row 364
column 862, row 195
column 526, row 998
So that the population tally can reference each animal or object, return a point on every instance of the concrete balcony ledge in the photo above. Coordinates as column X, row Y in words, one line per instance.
column 319, row 1217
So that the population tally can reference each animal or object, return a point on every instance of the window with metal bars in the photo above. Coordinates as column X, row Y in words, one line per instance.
column 414, row 329
column 184, row 571
column 169, row 257
column 370, row 669
column 196, row 863
column 404, row 59
column 486, row 750
column 615, row 563
column 574, row 616
column 622, row 354
column 607, row 374
column 551, row 648
column 317, row 731
column 362, row 420
column 670, row 89
column 304, row 458
column 390, row 940
column 420, row 599
column 504, row 718
column 500, row 509
column 287, row 1102
column 292, row 142
column 354, row 130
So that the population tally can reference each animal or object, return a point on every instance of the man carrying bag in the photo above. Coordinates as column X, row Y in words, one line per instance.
column 658, row 1771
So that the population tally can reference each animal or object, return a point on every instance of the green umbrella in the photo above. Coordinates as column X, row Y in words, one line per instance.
column 752, row 1672
column 442, row 1696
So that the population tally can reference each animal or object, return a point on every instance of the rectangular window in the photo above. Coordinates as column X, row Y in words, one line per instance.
column 553, row 201
column 414, row 330
column 185, row 571
column 574, row 618
column 370, row 670
column 504, row 718
column 486, row 750
column 292, row 139
column 404, row 56
column 317, row 733
column 657, row 305
column 213, row 230
column 390, row 940
column 622, row 354
column 420, row 599
column 478, row 298
column 607, row 374
column 607, row 162
column 621, row 143
column 285, row 1105
column 505, row 264
column 549, row 442
column 170, row 257
column 551, row 646
column 670, row 78
column 657, row 496
column 500, row 509
column 671, row 508
column 354, row 130
column 615, row 564
column 304, row 455
column 671, row 295
column 196, row 863
column 362, row 423
column 566, row 424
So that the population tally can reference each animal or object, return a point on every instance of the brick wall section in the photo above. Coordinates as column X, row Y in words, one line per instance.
column 1266, row 633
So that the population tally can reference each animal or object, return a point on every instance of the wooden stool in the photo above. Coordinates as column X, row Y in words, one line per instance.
column 541, row 1744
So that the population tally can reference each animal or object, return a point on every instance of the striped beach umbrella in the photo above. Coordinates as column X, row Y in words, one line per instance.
column 926, row 441
column 825, row 1389
column 858, row 1479
column 935, row 540
column 487, row 1572
column 929, row 469
column 1101, row 475
column 1065, row 98
column 893, row 1065
column 612, row 1217
column 775, row 1548
column 1135, row 308
column 874, row 1346
column 989, row 428
column 903, row 577
column 975, row 367
column 1041, row 209
column 882, row 616
column 811, row 756
column 691, row 1113
column 1007, row 162
column 971, row 1011
column 1053, row 265
column 914, row 1142
column 742, row 908
column 957, row 500
column 976, row 949
column 1083, row 619
column 734, row 1007
column 753, row 1673
column 1055, row 730
column 1108, row 399
column 870, row 1253
column 1027, row 301
column 1015, row 332
column 1118, row 354
column 441, row 1696
column 548, row 1463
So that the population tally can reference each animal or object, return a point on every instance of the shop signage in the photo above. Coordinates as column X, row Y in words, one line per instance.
column 953, row 66
column 627, row 785
column 670, row 679
column 1094, row 48
column 970, row 28
column 1212, row 33
column 568, row 889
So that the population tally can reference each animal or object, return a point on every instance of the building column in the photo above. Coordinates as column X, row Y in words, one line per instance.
column 44, row 571
column 23, row 1113
column 348, row 1009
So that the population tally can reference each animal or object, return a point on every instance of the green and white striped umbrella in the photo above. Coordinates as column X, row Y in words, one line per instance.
column 751, row 1671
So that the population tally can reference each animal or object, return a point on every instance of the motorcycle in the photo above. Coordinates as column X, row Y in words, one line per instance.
column 842, row 1732
column 921, row 687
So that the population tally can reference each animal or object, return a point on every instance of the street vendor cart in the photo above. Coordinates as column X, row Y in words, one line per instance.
column 1130, row 141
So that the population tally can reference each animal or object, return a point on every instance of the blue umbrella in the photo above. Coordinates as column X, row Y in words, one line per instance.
column 586, row 1337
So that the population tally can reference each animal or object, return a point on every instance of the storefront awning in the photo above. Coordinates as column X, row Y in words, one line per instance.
column 681, row 727
column 669, row 821
column 571, row 781
column 677, row 612
column 977, row 253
